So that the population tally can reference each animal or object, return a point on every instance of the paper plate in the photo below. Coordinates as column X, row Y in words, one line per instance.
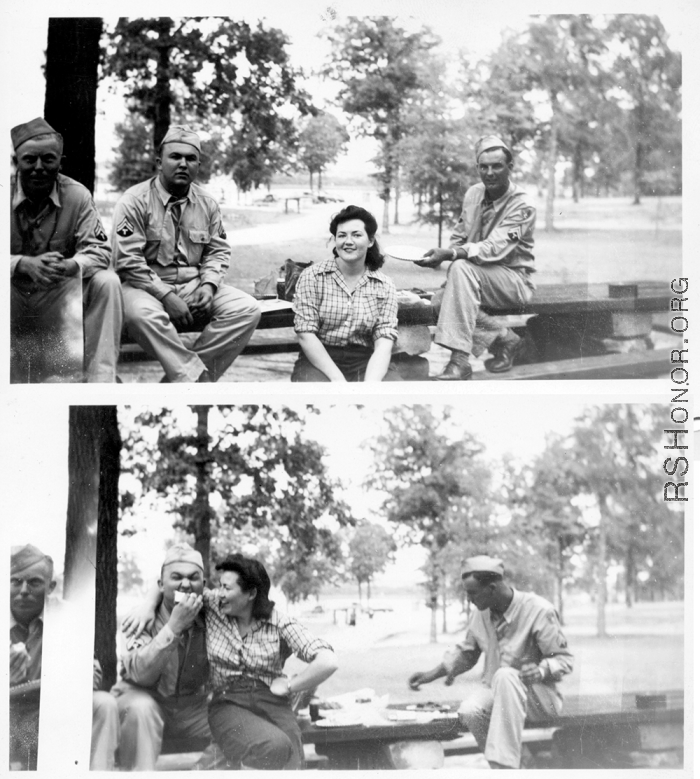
column 407, row 253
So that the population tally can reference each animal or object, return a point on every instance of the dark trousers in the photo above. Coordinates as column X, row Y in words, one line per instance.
column 352, row 361
column 255, row 728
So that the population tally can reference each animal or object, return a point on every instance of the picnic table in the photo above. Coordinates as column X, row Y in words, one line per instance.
column 581, row 331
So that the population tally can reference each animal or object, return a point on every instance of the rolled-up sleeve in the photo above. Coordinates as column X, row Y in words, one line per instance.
column 146, row 657
column 462, row 656
column 557, row 659
column 306, row 303
column 300, row 640
column 129, row 244
column 387, row 322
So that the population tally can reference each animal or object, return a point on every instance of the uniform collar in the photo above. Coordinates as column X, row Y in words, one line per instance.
column 509, row 613
column 165, row 196
column 19, row 197
column 503, row 197
column 36, row 621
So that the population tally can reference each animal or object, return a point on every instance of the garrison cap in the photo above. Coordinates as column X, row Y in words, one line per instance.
column 24, row 556
column 183, row 553
column 482, row 564
column 489, row 142
column 180, row 133
column 28, row 130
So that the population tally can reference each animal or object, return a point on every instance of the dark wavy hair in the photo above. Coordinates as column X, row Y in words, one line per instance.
column 374, row 259
column 251, row 575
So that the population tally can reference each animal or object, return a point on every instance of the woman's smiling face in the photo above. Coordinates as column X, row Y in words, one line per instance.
column 352, row 241
column 234, row 601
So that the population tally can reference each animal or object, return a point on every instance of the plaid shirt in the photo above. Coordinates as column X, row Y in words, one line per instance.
column 324, row 305
column 261, row 653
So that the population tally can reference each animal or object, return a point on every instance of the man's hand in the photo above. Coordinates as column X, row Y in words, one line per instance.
column 434, row 258
column 177, row 310
column 19, row 663
column 70, row 267
column 201, row 300
column 183, row 613
column 416, row 679
column 531, row 673
column 46, row 269
column 143, row 617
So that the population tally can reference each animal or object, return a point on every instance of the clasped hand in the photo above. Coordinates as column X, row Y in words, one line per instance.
column 48, row 269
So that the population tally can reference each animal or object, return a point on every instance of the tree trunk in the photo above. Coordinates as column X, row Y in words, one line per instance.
column 559, row 582
column 630, row 577
column 311, row 180
column 107, row 554
column 202, row 511
column 320, row 179
column 369, row 590
column 91, row 527
column 397, row 191
column 551, row 165
column 359, row 590
column 163, row 99
column 440, row 215
column 444, row 603
column 72, row 57
column 602, row 569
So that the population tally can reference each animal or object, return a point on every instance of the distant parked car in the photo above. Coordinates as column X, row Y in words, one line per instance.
column 323, row 197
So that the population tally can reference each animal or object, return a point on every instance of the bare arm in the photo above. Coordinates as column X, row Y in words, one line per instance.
column 378, row 363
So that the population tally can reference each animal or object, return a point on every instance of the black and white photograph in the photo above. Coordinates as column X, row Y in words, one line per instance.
column 257, row 571
column 340, row 586
column 225, row 198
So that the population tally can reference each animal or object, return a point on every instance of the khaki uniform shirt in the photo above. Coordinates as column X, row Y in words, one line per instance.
column 151, row 252
column 528, row 632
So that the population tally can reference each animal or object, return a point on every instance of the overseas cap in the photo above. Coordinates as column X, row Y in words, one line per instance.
column 179, row 133
column 24, row 556
column 489, row 142
column 183, row 553
column 28, row 130
column 482, row 564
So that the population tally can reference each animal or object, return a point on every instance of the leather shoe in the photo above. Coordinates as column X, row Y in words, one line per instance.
column 455, row 371
column 505, row 354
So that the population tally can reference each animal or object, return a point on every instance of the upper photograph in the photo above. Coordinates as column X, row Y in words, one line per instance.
column 314, row 197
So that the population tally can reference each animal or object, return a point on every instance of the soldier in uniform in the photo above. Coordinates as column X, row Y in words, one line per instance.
column 58, row 247
column 171, row 254
column 492, row 262
column 526, row 655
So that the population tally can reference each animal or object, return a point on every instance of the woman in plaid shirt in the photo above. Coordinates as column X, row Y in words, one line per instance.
column 346, row 310
column 248, row 642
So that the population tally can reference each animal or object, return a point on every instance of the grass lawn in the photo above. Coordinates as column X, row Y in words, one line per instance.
column 644, row 651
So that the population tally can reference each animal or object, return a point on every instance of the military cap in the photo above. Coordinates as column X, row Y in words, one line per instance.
column 490, row 142
column 179, row 133
column 28, row 130
column 24, row 556
column 482, row 564
column 183, row 553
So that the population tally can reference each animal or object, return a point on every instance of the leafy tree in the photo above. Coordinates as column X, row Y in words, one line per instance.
column 321, row 141
column 370, row 548
column 614, row 459
column 649, row 81
column 204, row 66
column 247, row 469
column 134, row 157
column 381, row 68
column 426, row 468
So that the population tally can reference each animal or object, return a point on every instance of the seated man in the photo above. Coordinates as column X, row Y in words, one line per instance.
column 31, row 584
column 58, row 249
column 163, row 692
column 171, row 253
column 526, row 654
column 491, row 251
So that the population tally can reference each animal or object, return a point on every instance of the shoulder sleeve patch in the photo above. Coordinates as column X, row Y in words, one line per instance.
column 100, row 234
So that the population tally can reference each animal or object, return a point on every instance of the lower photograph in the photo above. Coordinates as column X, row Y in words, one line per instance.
column 470, row 583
